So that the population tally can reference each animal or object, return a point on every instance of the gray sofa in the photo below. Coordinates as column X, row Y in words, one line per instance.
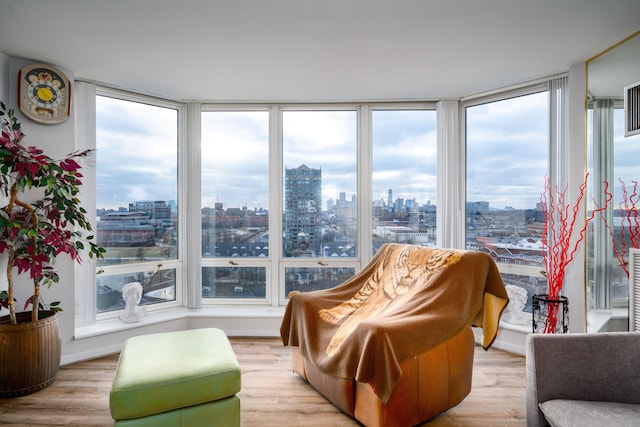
column 583, row 379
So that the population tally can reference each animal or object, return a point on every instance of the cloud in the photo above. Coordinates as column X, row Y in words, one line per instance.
column 136, row 152
column 506, row 153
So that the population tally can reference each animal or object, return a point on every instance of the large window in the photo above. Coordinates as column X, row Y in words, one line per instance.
column 320, row 179
column 136, row 200
column 290, row 195
column 320, row 198
column 404, row 186
column 507, row 161
column 235, row 203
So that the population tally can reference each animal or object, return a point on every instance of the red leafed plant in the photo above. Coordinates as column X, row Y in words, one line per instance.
column 34, row 232
column 629, row 225
column 559, row 244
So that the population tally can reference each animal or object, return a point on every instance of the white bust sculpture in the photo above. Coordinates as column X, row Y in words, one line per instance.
column 131, row 294
column 514, row 312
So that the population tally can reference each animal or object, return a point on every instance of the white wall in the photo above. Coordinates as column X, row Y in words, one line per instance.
column 575, row 274
column 56, row 141
column 4, row 77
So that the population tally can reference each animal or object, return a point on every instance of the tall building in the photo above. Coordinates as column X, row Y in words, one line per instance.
column 302, row 210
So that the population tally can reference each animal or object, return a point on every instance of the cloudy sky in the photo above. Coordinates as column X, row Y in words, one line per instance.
column 506, row 153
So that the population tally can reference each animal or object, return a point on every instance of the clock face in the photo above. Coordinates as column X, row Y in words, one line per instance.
column 44, row 94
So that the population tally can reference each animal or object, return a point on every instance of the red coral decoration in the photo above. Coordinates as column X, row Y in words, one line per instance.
column 629, row 225
column 558, row 245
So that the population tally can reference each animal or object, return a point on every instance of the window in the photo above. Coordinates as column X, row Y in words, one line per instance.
column 612, row 158
column 320, row 203
column 626, row 151
column 404, row 177
column 320, row 179
column 235, row 204
column 137, row 201
column 507, row 144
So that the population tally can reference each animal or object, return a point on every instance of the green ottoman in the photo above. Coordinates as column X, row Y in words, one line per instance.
column 186, row 378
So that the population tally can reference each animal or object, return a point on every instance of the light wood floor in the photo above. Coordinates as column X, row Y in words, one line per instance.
column 272, row 395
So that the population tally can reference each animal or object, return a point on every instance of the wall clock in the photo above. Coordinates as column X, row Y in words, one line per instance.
column 44, row 94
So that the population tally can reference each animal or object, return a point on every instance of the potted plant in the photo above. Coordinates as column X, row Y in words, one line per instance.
column 41, row 217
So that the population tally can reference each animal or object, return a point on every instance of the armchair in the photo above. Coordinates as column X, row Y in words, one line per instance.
column 393, row 345
column 583, row 379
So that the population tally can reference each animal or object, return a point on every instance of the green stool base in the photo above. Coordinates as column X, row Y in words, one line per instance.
column 221, row 413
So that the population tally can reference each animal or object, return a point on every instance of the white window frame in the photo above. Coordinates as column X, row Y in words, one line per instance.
column 524, row 91
column 276, row 263
column 175, row 264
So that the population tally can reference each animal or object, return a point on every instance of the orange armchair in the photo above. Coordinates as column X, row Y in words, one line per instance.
column 393, row 345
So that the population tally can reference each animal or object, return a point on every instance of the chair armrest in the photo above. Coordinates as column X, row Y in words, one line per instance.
column 593, row 367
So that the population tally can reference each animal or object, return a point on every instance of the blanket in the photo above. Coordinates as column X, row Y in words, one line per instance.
column 405, row 301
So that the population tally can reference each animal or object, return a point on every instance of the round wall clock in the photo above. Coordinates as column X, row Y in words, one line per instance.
column 44, row 94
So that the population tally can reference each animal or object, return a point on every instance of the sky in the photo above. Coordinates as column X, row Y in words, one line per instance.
column 506, row 153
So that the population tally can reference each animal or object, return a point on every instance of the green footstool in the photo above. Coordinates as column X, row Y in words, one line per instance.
column 186, row 378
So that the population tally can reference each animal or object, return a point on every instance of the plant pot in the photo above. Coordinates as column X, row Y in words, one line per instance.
column 550, row 316
column 29, row 353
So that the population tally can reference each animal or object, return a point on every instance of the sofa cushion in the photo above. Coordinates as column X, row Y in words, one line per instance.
column 562, row 413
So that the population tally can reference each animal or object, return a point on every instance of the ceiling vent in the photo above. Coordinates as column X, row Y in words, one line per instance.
column 632, row 109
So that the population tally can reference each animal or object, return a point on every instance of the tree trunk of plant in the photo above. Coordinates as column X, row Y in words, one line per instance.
column 14, row 200
column 35, row 300
column 12, row 309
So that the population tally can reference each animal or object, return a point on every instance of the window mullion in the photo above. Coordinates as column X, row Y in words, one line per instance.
column 190, row 188
column 275, row 204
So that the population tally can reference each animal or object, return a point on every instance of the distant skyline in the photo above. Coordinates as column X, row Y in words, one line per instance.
column 506, row 153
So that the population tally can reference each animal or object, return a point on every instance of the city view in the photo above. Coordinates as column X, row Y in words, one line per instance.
column 507, row 154
column 146, row 231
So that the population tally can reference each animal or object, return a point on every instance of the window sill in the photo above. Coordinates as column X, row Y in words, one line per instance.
column 111, row 326
column 106, row 337
column 511, row 337
column 608, row 320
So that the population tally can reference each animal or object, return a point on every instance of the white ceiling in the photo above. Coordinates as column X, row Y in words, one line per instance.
column 305, row 50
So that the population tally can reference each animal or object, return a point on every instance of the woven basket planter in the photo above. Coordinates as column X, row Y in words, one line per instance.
column 29, row 353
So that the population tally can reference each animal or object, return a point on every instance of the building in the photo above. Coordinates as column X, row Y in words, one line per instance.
column 157, row 210
column 303, row 210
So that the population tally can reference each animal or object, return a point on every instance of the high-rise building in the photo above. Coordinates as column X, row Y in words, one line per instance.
column 302, row 210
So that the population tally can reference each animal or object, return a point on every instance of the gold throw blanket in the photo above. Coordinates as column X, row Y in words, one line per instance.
column 407, row 299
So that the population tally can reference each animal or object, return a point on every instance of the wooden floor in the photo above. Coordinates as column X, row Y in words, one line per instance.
column 271, row 396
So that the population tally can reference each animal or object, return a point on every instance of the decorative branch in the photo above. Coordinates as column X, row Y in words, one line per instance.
column 558, row 243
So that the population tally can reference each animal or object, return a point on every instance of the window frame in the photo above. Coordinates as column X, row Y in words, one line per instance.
column 189, row 168
column 497, row 97
column 176, row 264
column 275, row 263
column 210, row 262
